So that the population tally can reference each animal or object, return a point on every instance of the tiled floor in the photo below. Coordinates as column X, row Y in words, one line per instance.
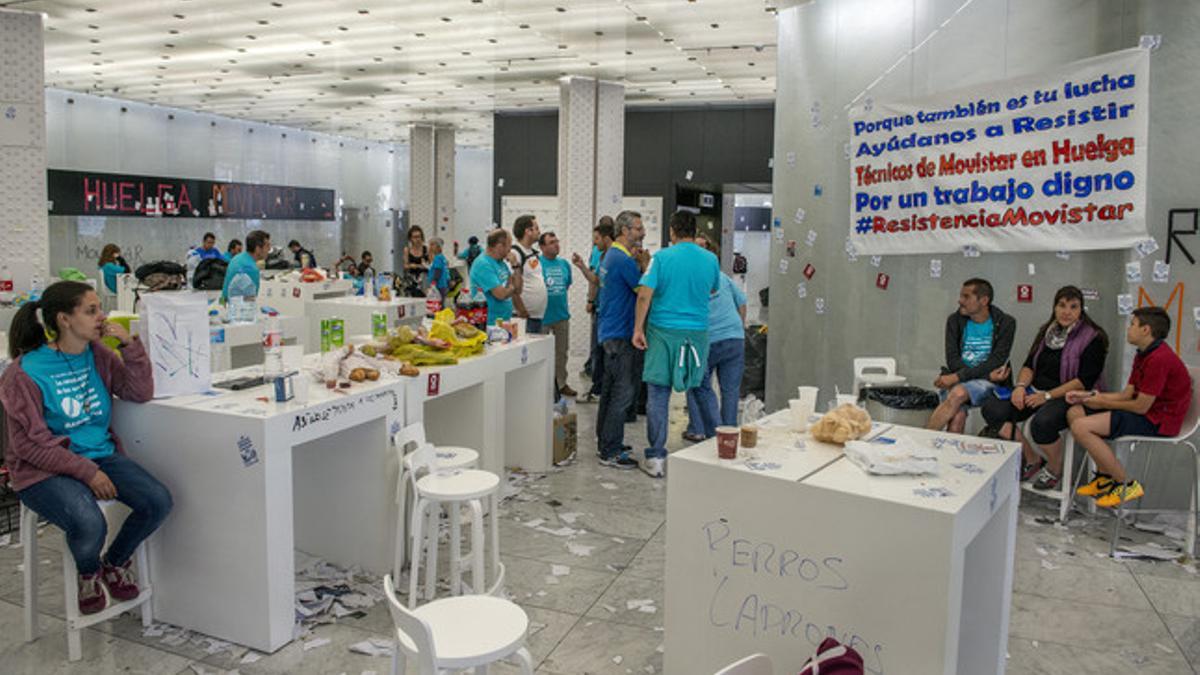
column 1074, row 609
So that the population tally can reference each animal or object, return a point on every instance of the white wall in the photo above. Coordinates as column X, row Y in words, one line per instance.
column 473, row 184
column 93, row 133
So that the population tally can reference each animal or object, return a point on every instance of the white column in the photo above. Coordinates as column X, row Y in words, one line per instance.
column 591, row 175
column 24, row 225
column 421, row 203
column 443, row 185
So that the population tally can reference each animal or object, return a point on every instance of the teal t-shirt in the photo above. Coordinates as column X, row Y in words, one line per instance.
column 75, row 401
column 110, row 271
column 724, row 322
column 977, row 342
column 684, row 277
column 243, row 265
column 557, row 275
column 441, row 271
column 487, row 273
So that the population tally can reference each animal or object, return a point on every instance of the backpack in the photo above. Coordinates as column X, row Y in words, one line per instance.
column 210, row 275
column 834, row 658
column 167, row 267
column 739, row 263
column 276, row 261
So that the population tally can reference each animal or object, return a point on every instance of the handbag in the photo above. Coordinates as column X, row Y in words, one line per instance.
column 834, row 658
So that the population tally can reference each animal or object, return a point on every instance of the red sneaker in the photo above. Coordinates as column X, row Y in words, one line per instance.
column 120, row 581
column 91, row 596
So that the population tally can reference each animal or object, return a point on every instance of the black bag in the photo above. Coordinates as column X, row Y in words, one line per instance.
column 904, row 397
column 167, row 267
column 754, row 379
column 210, row 275
column 739, row 263
column 276, row 261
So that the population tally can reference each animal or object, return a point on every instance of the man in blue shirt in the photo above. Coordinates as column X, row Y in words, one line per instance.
column 672, row 328
column 619, row 274
column 491, row 274
column 726, row 358
column 235, row 247
column 602, row 239
column 556, row 273
column 208, row 247
column 242, row 277
column 979, row 338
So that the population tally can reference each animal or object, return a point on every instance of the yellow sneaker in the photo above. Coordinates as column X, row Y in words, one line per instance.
column 1099, row 485
column 1121, row 493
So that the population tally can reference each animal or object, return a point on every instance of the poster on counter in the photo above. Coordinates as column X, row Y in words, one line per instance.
column 1048, row 162
column 176, row 334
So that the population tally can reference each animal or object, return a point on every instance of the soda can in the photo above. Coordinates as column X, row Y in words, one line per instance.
column 326, row 334
column 379, row 326
column 337, row 332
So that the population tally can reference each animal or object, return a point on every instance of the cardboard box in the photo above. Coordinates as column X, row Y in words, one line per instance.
column 565, row 438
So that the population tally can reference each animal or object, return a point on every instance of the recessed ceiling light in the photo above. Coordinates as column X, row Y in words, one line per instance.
column 446, row 19
column 343, row 28
column 560, row 9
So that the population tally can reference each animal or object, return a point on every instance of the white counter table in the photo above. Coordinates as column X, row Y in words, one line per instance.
column 356, row 311
column 784, row 546
column 290, row 295
column 253, row 481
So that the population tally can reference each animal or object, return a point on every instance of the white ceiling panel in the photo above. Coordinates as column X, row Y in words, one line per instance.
column 369, row 68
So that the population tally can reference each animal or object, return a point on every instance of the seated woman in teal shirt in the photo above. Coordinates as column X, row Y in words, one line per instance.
column 111, row 264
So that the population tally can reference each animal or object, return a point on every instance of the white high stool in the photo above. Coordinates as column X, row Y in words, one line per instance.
column 114, row 513
column 434, row 488
column 454, row 634
column 448, row 458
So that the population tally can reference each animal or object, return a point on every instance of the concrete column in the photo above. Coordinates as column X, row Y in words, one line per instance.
column 443, row 185
column 591, row 175
column 24, row 225
column 421, row 202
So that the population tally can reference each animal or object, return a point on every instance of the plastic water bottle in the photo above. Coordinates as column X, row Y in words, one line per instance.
column 6, row 283
column 243, row 305
column 272, row 342
column 193, row 261
column 35, row 288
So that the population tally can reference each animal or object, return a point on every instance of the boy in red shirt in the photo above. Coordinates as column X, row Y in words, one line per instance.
column 1154, row 403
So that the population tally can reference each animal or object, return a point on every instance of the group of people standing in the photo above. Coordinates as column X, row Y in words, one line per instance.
column 1059, row 386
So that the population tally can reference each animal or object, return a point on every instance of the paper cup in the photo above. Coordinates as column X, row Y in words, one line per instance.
column 749, row 436
column 727, row 442
column 843, row 399
column 799, row 414
column 808, row 403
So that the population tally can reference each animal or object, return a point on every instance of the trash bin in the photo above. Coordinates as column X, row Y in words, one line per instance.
column 909, row 406
column 754, row 377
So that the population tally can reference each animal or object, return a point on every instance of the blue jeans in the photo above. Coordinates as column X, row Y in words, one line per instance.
column 658, row 411
column 71, row 506
column 617, row 391
column 727, row 358
column 597, row 362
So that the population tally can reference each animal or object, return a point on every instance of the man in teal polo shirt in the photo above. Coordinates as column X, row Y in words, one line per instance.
column 671, row 325
column 491, row 274
column 242, row 277
column 556, row 272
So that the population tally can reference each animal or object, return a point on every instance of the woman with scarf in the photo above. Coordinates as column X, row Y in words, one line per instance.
column 1068, row 354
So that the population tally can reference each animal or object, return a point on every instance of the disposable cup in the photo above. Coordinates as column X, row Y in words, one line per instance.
column 843, row 399
column 727, row 442
column 749, row 437
column 799, row 414
column 808, row 403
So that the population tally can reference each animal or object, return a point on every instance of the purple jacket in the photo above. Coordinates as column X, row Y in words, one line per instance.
column 34, row 452
column 1068, row 367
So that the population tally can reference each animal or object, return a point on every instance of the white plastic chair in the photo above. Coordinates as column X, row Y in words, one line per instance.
column 755, row 664
column 115, row 513
column 1067, row 482
column 1191, row 422
column 434, row 488
column 448, row 458
column 864, row 364
column 108, row 299
column 452, row 634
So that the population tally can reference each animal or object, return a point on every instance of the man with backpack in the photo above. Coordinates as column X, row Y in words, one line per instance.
column 531, row 302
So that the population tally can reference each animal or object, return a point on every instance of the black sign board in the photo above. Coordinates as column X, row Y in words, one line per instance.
column 87, row 193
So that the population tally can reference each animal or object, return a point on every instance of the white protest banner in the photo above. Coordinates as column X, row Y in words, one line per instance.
column 1049, row 162
column 175, row 331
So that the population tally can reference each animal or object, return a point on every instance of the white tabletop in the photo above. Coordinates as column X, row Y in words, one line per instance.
column 966, row 465
column 780, row 453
